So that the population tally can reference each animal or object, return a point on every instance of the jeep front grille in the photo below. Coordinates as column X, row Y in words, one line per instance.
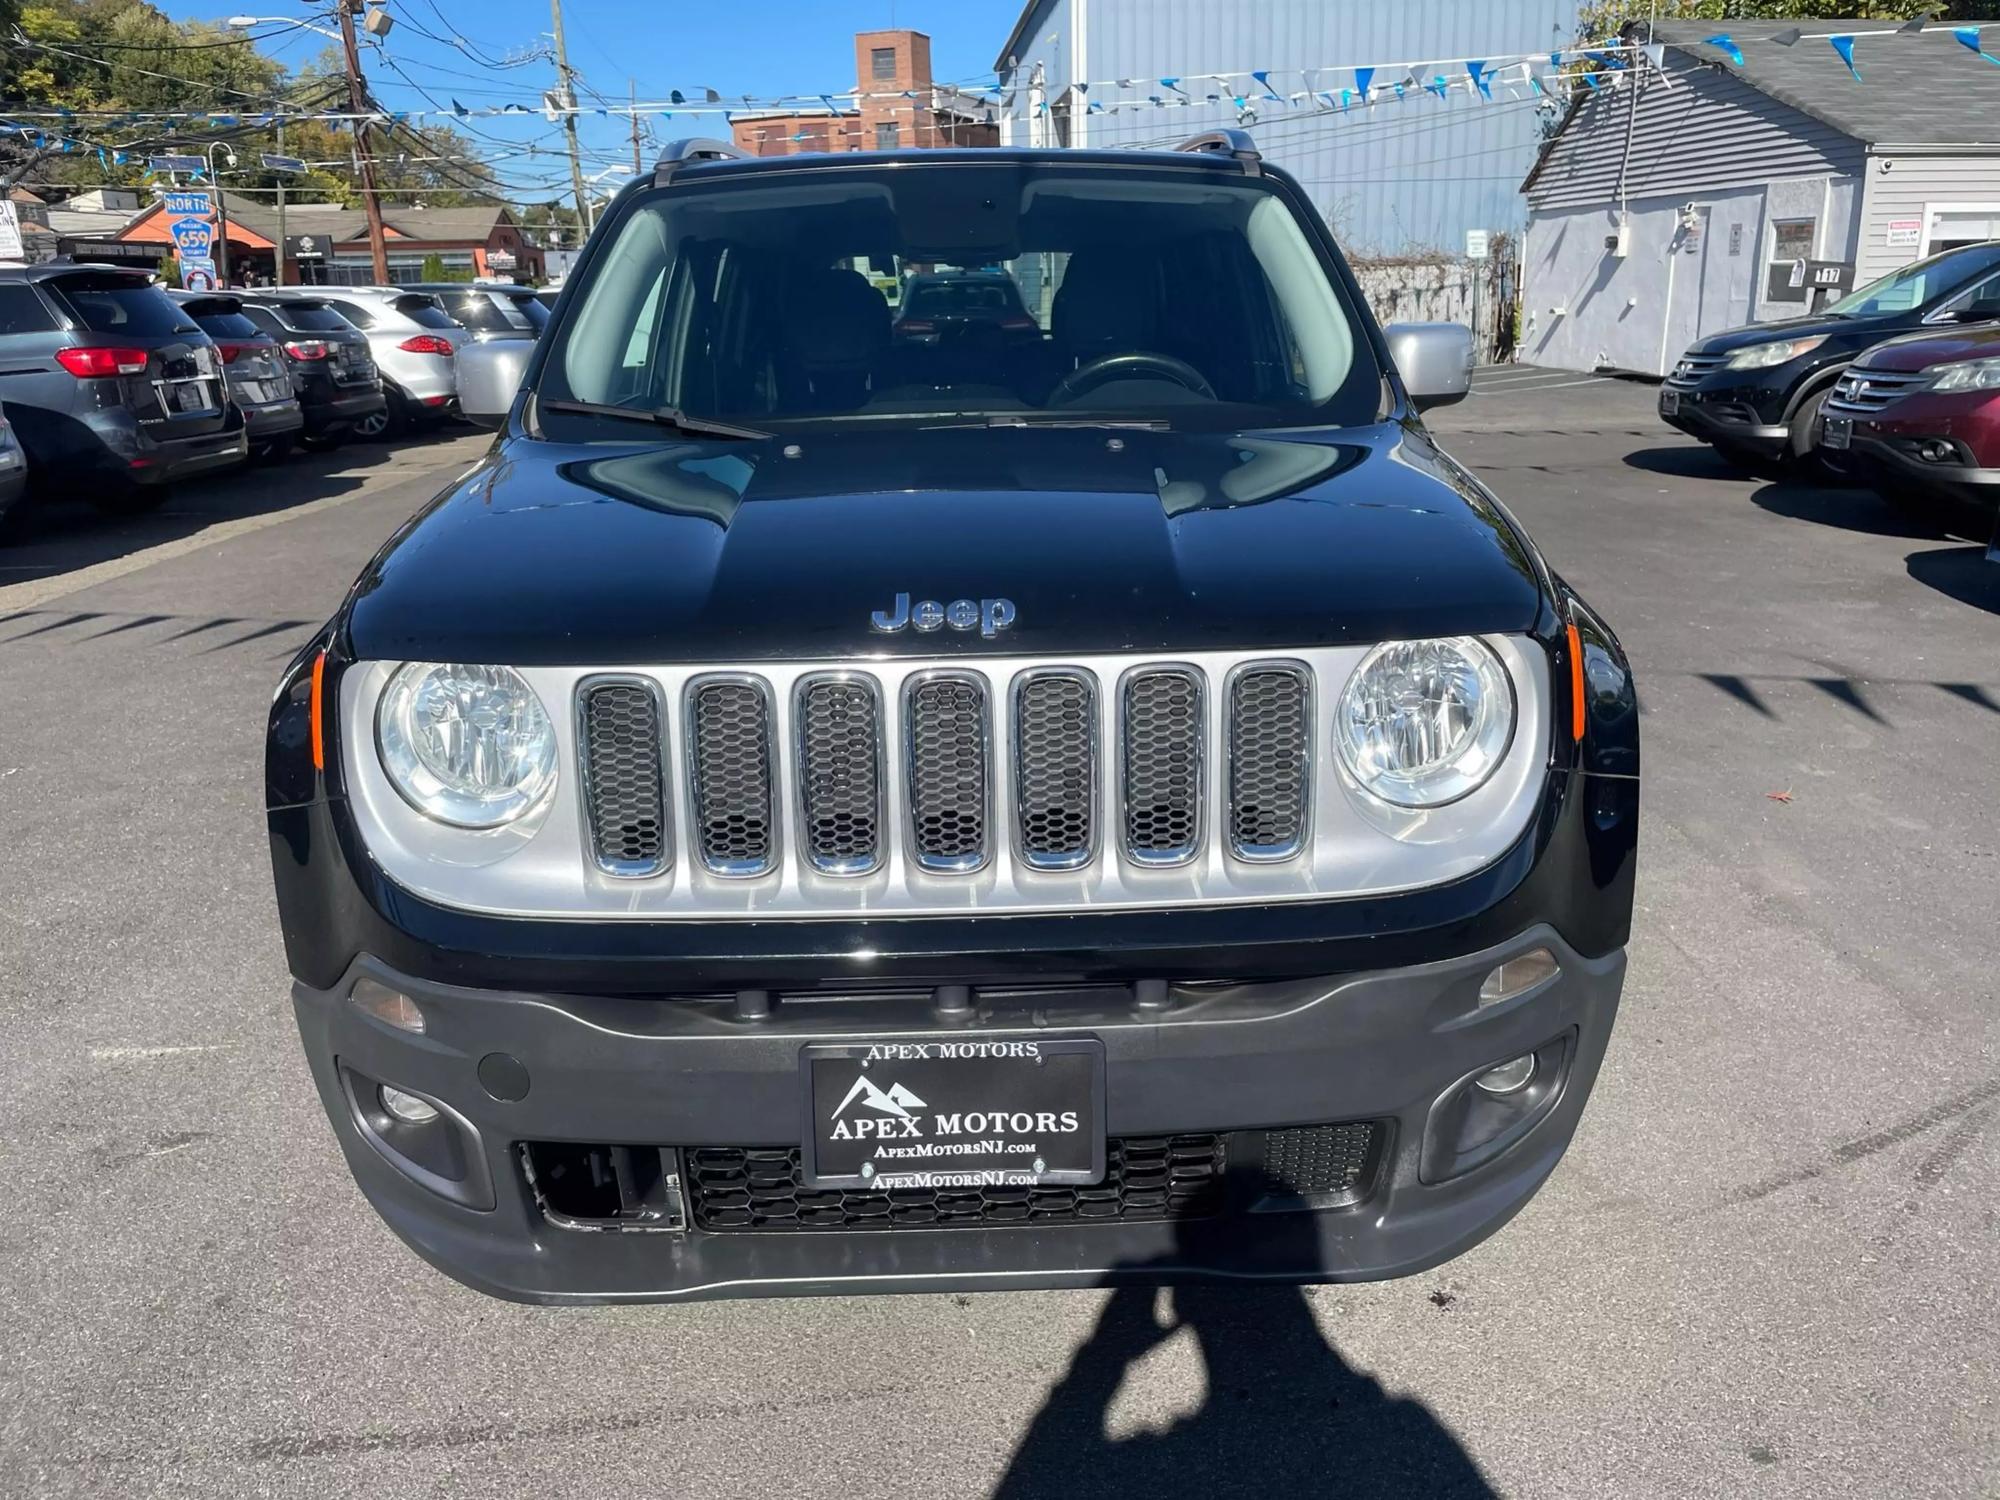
column 867, row 788
column 729, row 755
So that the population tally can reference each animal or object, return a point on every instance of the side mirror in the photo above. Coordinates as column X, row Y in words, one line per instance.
column 489, row 377
column 1434, row 359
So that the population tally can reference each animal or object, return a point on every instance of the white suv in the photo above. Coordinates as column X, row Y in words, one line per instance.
column 415, row 345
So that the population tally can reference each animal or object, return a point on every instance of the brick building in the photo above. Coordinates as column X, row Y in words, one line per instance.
column 899, row 105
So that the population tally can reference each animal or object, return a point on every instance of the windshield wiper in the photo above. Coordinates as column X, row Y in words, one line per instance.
column 1034, row 419
column 662, row 416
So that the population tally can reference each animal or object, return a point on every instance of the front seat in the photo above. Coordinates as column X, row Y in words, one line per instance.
column 840, row 333
column 1103, row 306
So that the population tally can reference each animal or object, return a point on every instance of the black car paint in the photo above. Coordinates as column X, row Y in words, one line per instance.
column 621, row 551
column 328, row 408
column 1777, row 393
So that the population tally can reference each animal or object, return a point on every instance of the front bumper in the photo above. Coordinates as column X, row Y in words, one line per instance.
column 1382, row 1046
column 1735, row 416
column 1888, row 446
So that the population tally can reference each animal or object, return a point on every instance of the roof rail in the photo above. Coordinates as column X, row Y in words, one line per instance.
column 1233, row 143
column 679, row 153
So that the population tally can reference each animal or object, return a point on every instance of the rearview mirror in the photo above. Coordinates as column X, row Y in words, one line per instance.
column 489, row 376
column 1434, row 359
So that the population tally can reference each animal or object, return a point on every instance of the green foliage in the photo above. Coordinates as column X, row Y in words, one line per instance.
column 434, row 269
column 1601, row 19
column 170, row 269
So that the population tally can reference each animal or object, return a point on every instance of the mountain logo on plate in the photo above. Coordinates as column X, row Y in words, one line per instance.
column 895, row 1100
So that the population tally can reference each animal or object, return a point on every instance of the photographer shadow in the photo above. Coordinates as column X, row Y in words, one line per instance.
column 1283, row 1414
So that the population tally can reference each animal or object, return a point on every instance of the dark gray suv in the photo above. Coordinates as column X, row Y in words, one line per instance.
column 112, row 389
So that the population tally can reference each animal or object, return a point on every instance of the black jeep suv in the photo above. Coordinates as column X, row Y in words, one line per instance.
column 807, row 815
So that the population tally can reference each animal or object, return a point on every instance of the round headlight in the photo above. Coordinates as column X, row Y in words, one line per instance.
column 1423, row 723
column 466, row 745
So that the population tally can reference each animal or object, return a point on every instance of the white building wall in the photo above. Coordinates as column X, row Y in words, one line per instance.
column 1904, row 198
column 1696, row 266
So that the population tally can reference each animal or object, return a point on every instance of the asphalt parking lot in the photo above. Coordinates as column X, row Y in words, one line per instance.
column 1767, row 1266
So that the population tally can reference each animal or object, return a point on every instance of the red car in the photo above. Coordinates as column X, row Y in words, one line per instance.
column 1919, row 418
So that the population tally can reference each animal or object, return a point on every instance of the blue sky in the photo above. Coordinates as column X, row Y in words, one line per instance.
column 762, row 47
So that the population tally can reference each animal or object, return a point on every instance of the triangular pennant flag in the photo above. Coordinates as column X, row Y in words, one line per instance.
column 1911, row 28
column 1345, row 95
column 1727, row 43
column 1172, row 83
column 1124, row 83
column 1477, row 70
column 709, row 96
column 1788, row 38
column 1556, row 61
column 1263, row 76
column 1438, row 86
column 1095, row 108
column 1844, row 45
column 1969, row 36
column 1656, row 54
column 1535, row 84
column 676, row 97
column 1362, row 78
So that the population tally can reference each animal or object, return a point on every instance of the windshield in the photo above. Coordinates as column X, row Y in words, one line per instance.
column 1176, row 296
column 1918, row 285
column 310, row 317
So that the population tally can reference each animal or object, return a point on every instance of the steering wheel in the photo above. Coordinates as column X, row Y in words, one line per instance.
column 1109, row 367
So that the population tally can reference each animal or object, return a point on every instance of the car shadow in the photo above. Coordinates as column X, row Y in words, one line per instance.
column 1971, row 575
column 1685, row 461
column 1858, row 510
column 1282, row 1413
column 58, row 531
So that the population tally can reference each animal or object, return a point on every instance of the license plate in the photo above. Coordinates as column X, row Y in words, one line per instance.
column 954, row 1113
column 1838, row 432
column 1670, row 403
column 191, row 397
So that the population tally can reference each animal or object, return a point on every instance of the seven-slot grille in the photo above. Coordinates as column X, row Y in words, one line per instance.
column 1862, row 393
column 863, row 780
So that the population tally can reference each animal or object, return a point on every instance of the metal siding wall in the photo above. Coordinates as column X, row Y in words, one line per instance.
column 1903, row 191
column 1709, row 132
column 1399, row 176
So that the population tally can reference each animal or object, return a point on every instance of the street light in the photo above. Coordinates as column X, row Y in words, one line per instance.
column 221, row 211
column 244, row 23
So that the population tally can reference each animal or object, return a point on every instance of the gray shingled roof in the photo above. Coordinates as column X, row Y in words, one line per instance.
column 343, row 224
column 1922, row 90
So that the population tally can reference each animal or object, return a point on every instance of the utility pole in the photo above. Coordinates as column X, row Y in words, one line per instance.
column 278, row 258
column 568, row 102
column 364, row 154
column 637, row 165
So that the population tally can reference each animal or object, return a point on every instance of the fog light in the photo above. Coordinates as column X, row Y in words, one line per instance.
column 1517, row 976
column 1938, row 452
column 1508, row 1078
column 385, row 1004
column 414, row 1111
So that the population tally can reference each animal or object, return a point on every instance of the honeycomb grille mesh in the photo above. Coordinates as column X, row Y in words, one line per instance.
column 731, row 753
column 1162, row 744
column 1329, row 1164
column 1269, row 776
column 1160, row 1177
column 840, row 774
column 947, row 740
column 621, row 758
column 1055, row 768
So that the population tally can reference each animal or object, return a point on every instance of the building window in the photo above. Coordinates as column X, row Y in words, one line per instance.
column 888, row 137
column 882, row 64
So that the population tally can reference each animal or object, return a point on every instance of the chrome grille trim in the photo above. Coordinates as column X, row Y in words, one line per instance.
column 1159, row 790
column 658, row 797
column 1040, row 762
column 933, row 798
column 820, row 784
column 1240, row 762
column 753, row 803
column 544, row 866
column 1695, row 368
column 1862, row 392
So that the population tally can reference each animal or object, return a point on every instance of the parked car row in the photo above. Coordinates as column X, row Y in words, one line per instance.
column 111, row 387
column 1896, row 385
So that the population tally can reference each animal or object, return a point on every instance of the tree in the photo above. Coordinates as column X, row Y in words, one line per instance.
column 1602, row 19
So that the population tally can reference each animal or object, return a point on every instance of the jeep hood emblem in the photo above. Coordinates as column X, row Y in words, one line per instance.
column 990, row 616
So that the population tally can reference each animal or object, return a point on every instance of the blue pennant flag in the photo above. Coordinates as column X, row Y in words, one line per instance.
column 1437, row 86
column 677, row 97
column 1237, row 100
column 1345, row 95
column 1263, row 77
column 1534, row 83
column 1591, row 79
column 1727, row 43
column 1172, row 83
column 1400, row 88
column 119, row 158
column 1362, row 78
column 100, row 156
column 1968, row 36
column 1844, row 45
column 1556, row 61
column 399, row 116
column 1480, row 81
column 1095, row 108
column 459, row 109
